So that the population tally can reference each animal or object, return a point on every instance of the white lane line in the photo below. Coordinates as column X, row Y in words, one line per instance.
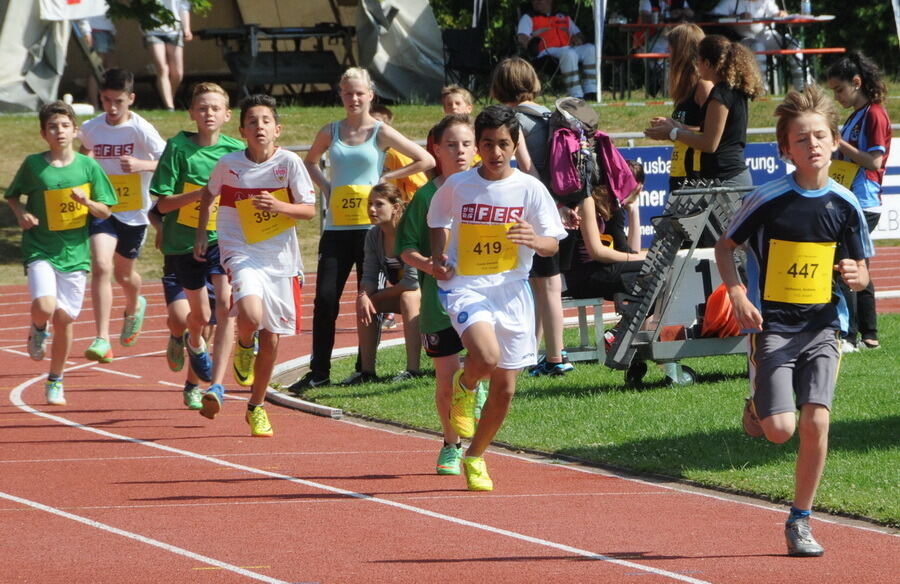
column 574, row 466
column 77, row 323
column 142, row 539
column 16, row 400
column 223, row 455
column 304, row 500
column 114, row 372
column 145, row 334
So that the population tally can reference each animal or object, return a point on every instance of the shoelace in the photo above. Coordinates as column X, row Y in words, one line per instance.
column 804, row 533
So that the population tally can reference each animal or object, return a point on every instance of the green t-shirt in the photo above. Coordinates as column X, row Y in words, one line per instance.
column 413, row 233
column 61, row 236
column 184, row 166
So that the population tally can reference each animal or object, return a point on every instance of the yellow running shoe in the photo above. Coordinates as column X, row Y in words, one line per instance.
column 244, row 359
column 476, row 474
column 259, row 422
column 462, row 408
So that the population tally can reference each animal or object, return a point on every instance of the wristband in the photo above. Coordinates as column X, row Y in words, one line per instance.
column 673, row 134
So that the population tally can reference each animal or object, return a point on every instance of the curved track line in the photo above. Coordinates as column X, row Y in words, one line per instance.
column 143, row 539
column 15, row 398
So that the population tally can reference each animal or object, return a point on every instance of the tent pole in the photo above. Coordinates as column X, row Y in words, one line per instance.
column 599, row 22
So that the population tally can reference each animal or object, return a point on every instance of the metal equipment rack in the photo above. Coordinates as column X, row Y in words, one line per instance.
column 698, row 212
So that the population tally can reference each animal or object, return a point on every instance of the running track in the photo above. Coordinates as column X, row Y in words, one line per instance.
column 125, row 485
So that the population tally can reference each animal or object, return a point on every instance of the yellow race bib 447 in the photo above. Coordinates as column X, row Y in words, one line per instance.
column 799, row 272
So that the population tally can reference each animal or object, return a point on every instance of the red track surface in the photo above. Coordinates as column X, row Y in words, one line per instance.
column 125, row 485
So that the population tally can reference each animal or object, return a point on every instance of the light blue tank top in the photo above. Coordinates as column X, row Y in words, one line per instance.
column 353, row 165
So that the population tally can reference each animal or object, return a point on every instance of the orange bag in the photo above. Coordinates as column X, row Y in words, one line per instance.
column 718, row 319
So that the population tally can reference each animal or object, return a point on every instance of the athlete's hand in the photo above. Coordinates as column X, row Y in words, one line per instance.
column 849, row 270
column 27, row 221
column 264, row 201
column 521, row 233
column 745, row 313
column 570, row 217
column 200, row 245
column 439, row 268
column 79, row 196
column 130, row 164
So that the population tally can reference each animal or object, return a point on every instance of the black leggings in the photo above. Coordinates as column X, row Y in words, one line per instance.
column 338, row 252
column 863, row 315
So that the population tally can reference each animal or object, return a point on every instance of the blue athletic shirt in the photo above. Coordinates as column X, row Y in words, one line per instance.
column 782, row 210
column 353, row 165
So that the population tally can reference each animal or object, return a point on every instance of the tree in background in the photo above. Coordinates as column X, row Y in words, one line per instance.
column 150, row 14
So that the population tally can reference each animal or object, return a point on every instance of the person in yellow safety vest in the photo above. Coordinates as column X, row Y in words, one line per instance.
column 557, row 35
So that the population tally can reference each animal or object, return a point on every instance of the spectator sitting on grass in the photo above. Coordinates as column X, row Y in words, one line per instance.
column 385, row 208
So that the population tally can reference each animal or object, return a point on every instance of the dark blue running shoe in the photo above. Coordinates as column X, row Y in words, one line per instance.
column 201, row 362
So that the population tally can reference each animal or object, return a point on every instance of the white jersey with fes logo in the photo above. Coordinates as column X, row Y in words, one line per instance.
column 267, row 240
column 135, row 137
column 478, row 213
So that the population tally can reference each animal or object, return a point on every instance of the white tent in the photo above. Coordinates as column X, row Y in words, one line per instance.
column 399, row 42
column 33, row 41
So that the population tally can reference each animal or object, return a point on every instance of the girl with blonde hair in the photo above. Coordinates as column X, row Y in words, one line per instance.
column 356, row 148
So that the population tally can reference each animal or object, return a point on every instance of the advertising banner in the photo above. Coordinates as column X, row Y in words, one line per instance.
column 765, row 165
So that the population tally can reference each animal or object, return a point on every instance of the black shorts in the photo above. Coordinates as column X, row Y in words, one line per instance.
column 542, row 267
column 442, row 343
column 193, row 275
column 129, row 238
column 173, row 291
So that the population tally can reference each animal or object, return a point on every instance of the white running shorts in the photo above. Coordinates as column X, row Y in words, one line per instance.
column 66, row 287
column 508, row 307
column 280, row 296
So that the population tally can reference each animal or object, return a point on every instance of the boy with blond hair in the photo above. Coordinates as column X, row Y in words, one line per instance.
column 127, row 147
column 183, row 170
column 456, row 100
column 803, row 234
column 63, row 187
column 262, row 192
column 455, row 147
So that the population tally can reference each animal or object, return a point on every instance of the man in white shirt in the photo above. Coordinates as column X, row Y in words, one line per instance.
column 761, row 37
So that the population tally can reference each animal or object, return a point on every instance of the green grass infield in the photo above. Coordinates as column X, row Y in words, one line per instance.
column 687, row 432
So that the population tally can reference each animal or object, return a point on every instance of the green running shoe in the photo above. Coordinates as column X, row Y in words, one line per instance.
column 242, row 364
column 100, row 351
column 175, row 353
column 192, row 397
column 132, row 324
column 481, row 395
column 449, row 459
